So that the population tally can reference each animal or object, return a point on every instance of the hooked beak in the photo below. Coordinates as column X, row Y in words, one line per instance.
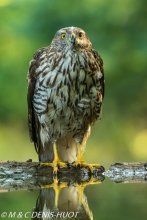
column 72, row 38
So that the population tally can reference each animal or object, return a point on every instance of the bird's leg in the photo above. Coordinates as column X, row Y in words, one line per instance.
column 57, row 188
column 80, row 154
column 81, row 162
column 56, row 162
column 80, row 193
column 81, row 188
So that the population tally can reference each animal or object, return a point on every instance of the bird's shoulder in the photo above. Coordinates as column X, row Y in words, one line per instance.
column 98, row 59
column 100, row 65
column 38, row 57
column 39, row 52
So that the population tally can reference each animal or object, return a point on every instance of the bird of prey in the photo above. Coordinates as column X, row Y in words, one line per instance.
column 65, row 93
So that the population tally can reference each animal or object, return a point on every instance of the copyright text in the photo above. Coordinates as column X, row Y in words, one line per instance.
column 19, row 215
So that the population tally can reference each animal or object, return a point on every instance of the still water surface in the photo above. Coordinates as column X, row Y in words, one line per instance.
column 106, row 200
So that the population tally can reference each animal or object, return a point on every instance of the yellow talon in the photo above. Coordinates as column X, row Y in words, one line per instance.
column 56, row 162
column 81, row 162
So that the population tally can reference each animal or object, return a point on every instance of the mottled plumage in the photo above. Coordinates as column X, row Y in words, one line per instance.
column 65, row 93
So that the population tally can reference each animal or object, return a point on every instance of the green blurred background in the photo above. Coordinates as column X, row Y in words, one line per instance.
column 118, row 31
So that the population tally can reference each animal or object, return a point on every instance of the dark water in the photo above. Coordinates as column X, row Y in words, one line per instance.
column 105, row 200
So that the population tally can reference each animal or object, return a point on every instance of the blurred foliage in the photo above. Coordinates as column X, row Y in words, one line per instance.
column 118, row 30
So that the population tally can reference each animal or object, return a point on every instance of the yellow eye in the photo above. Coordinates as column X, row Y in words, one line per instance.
column 63, row 36
column 80, row 35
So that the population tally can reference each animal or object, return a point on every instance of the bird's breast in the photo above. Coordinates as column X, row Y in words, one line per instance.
column 69, row 86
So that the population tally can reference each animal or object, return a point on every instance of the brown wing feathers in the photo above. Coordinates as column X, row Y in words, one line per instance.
column 32, row 119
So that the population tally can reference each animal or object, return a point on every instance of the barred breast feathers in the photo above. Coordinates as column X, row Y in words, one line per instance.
column 66, row 86
column 67, row 72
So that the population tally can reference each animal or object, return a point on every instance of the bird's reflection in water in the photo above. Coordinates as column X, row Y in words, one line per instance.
column 63, row 201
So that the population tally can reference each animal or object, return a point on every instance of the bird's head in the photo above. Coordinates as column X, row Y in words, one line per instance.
column 71, row 38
